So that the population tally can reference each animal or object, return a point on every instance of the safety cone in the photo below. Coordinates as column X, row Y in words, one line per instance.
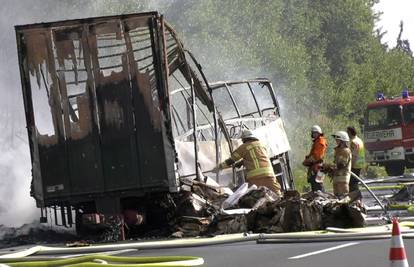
column 398, row 257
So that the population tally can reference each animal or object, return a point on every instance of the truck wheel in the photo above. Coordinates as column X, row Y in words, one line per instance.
column 395, row 168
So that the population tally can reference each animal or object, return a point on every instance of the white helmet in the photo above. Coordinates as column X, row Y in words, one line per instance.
column 341, row 135
column 247, row 134
column 316, row 129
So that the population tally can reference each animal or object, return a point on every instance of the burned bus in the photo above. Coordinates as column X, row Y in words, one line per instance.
column 118, row 112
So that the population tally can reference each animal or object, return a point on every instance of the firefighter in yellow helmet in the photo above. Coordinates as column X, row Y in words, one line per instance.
column 340, row 169
column 253, row 155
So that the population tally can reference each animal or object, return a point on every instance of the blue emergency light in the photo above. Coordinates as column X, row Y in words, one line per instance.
column 380, row 96
column 405, row 93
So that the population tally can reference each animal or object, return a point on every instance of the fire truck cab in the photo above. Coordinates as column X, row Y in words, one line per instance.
column 389, row 132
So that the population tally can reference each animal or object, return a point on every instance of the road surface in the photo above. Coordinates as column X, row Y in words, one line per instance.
column 327, row 254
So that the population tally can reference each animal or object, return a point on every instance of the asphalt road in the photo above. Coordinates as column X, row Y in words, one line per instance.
column 250, row 254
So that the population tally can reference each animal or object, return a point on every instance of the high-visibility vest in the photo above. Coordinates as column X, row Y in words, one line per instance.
column 255, row 159
column 358, row 153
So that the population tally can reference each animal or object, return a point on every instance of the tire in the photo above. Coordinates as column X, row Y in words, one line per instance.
column 395, row 168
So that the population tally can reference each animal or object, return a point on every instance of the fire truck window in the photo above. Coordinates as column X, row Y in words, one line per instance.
column 384, row 116
column 409, row 113
column 375, row 116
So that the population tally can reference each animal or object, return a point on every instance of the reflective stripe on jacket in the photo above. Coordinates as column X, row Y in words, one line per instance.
column 255, row 159
column 343, row 161
column 358, row 153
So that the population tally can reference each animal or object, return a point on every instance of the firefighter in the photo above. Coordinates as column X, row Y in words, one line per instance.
column 315, row 157
column 340, row 169
column 358, row 157
column 253, row 155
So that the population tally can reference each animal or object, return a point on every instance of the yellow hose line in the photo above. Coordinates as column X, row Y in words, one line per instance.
column 191, row 242
column 223, row 239
column 401, row 207
column 384, row 187
column 98, row 260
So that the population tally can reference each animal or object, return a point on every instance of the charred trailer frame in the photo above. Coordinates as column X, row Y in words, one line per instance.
column 97, row 111
column 102, row 122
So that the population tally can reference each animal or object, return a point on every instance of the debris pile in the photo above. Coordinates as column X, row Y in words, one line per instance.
column 405, row 194
column 208, row 209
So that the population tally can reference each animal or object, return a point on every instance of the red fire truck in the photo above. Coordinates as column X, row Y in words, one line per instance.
column 389, row 132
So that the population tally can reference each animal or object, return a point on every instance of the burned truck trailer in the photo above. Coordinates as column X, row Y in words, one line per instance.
column 117, row 112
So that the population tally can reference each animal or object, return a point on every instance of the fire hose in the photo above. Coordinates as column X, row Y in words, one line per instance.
column 21, row 258
column 329, row 237
column 97, row 260
column 373, row 195
column 337, row 234
column 190, row 242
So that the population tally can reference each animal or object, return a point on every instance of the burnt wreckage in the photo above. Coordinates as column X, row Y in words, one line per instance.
column 118, row 112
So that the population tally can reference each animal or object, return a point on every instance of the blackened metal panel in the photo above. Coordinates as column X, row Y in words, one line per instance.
column 82, row 139
column 113, row 91
column 85, row 167
column 154, row 144
column 48, row 148
column 117, row 135
column 36, row 189
column 123, row 140
column 153, row 162
column 53, row 165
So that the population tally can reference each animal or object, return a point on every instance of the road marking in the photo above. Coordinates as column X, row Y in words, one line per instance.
column 323, row 250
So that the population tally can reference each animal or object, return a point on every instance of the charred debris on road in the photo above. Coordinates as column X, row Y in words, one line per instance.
column 208, row 209
column 200, row 211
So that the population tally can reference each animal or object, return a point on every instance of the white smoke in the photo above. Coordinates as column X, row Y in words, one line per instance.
column 16, row 206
